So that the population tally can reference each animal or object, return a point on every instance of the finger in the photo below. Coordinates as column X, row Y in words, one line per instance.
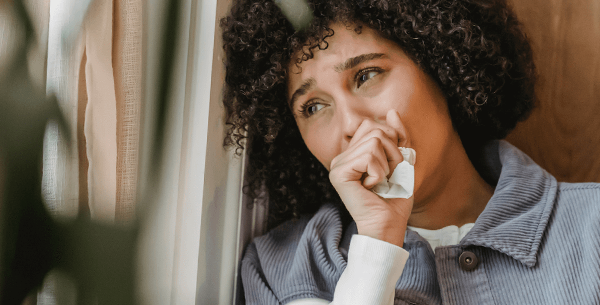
column 369, row 125
column 373, row 148
column 381, row 147
column 354, row 165
column 393, row 120
column 390, row 148
column 372, row 167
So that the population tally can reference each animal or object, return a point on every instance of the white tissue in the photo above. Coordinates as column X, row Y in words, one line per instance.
column 402, row 182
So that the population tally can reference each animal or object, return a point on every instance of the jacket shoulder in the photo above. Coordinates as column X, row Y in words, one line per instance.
column 578, row 206
column 579, row 193
column 298, row 259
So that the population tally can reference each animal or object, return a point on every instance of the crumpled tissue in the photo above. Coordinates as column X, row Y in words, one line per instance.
column 402, row 182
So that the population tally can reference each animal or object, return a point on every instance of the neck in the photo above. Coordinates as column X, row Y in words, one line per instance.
column 458, row 197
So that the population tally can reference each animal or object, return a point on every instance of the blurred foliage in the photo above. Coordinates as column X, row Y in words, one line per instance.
column 99, row 257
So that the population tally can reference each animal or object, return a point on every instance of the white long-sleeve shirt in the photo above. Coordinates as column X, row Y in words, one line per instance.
column 374, row 267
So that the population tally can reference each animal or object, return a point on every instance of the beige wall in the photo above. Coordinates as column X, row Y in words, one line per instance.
column 563, row 133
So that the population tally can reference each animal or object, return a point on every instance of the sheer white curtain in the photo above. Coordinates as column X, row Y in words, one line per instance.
column 194, row 239
column 98, row 73
column 93, row 63
column 60, row 180
column 127, row 65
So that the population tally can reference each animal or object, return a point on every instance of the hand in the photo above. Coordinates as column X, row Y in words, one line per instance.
column 370, row 157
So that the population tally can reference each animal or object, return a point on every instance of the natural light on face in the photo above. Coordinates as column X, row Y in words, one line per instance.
column 357, row 80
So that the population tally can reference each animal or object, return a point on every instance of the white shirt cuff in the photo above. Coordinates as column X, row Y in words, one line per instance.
column 374, row 267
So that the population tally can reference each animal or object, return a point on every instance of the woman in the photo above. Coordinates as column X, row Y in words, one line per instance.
column 326, row 109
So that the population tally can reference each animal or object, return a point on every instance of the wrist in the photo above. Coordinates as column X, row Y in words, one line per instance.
column 392, row 233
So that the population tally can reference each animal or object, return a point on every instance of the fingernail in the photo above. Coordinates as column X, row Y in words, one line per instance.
column 379, row 121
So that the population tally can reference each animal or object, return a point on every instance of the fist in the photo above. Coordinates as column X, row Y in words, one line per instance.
column 369, row 159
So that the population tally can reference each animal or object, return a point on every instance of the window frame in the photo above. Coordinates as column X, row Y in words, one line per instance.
column 199, row 223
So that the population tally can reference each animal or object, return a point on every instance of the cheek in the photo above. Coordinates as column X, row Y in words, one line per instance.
column 398, row 93
column 320, row 141
column 432, row 131
column 428, row 109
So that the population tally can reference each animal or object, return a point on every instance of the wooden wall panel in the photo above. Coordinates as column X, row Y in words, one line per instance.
column 563, row 132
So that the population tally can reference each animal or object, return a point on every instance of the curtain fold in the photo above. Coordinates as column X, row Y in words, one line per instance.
column 101, row 112
column 112, row 40
column 60, row 179
column 97, row 78
column 127, row 63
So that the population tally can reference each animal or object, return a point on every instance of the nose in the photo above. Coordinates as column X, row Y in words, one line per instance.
column 351, row 116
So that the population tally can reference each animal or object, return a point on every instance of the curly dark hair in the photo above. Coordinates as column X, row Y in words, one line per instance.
column 474, row 49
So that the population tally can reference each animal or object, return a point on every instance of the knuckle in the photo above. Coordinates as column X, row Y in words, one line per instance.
column 375, row 142
column 333, row 162
column 334, row 166
column 334, row 174
column 366, row 122
column 379, row 133
column 370, row 157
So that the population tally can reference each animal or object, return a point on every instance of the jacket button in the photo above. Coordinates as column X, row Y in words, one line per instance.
column 468, row 261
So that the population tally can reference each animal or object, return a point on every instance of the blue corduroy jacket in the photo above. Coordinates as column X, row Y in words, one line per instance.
column 537, row 242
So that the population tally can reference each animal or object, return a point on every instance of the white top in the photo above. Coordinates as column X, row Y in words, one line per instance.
column 374, row 267
column 446, row 236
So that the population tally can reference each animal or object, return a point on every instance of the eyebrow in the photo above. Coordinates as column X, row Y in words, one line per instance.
column 355, row 61
column 305, row 87
column 346, row 65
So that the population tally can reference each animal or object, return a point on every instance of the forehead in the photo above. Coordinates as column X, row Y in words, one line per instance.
column 345, row 45
column 345, row 42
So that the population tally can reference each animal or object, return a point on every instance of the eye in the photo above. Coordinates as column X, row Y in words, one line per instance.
column 366, row 74
column 311, row 108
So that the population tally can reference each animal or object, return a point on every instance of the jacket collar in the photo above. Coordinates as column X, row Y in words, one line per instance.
column 515, row 218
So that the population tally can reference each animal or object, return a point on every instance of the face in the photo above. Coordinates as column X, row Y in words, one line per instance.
column 359, row 78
